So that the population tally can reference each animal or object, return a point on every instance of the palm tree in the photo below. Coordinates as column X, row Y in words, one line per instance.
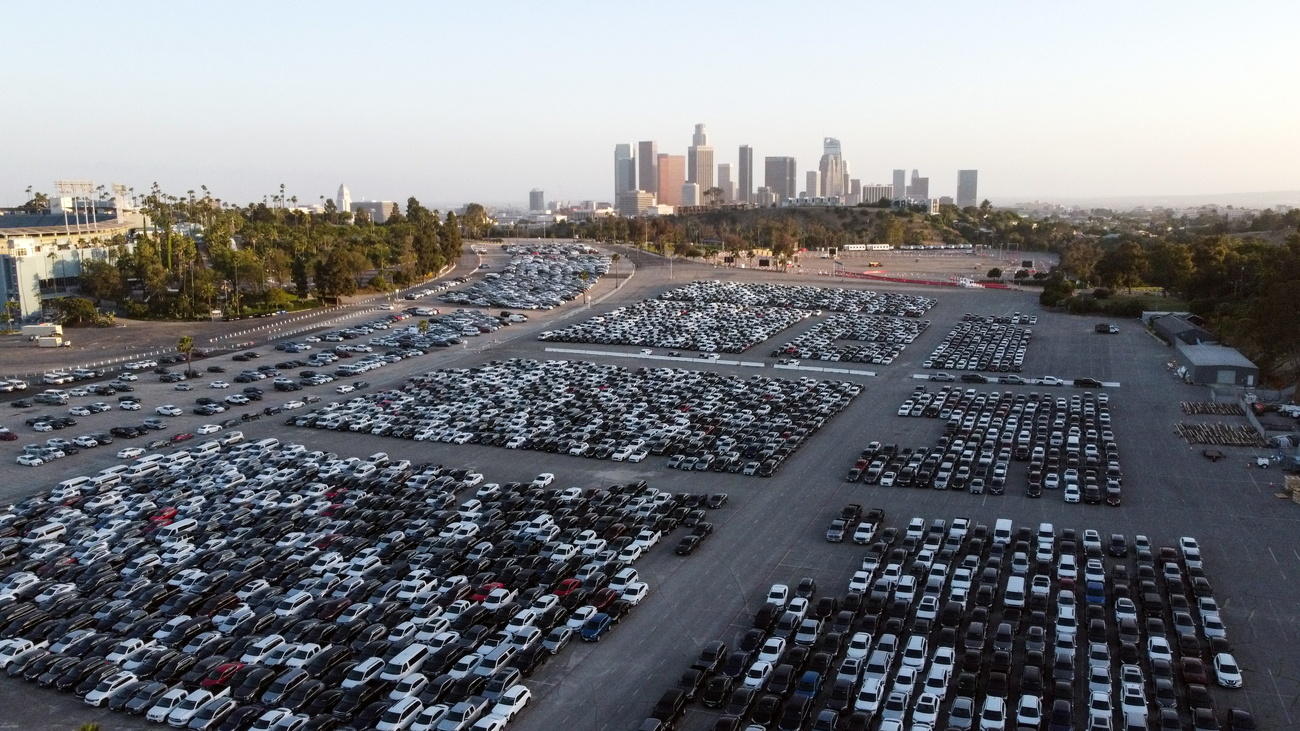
column 185, row 346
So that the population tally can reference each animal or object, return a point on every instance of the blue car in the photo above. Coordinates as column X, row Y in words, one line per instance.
column 809, row 683
column 596, row 627
column 1096, row 593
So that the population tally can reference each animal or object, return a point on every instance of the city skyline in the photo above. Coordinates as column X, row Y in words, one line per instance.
column 1041, row 114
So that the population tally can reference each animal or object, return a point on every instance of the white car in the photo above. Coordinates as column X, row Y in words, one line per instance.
column 290, row 405
column 130, row 452
column 207, row 429
column 30, row 460
column 79, row 411
column 218, row 384
column 543, row 479
column 1226, row 670
column 168, row 410
column 758, row 674
column 512, row 701
column 635, row 592
column 345, row 388
column 164, row 706
column 129, row 406
column 1030, row 711
column 772, row 649
column 778, row 595
column 182, row 387
column 86, row 442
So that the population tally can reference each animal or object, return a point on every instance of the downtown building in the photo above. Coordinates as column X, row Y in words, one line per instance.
column 779, row 175
column 624, row 169
column 967, row 184
column 832, row 170
column 671, row 172
column 699, row 160
column 745, row 175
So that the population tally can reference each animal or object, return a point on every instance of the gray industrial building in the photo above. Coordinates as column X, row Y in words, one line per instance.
column 1201, row 359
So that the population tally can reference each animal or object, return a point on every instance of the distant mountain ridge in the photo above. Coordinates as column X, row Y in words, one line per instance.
column 1263, row 199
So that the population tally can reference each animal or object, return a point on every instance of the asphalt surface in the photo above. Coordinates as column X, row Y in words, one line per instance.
column 771, row 530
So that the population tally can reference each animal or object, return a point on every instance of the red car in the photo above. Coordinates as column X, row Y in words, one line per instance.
column 567, row 587
column 182, row 437
column 483, row 591
column 219, row 677
column 164, row 516
column 603, row 598
column 8, row 436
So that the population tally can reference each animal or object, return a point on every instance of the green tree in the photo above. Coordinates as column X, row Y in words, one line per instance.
column 185, row 346
column 476, row 221
column 75, row 311
column 1080, row 259
column 1169, row 265
column 101, row 280
column 1123, row 266
column 995, row 273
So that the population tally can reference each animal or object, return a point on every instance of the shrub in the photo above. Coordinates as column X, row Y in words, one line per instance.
column 1102, row 293
column 995, row 273
column 1022, row 273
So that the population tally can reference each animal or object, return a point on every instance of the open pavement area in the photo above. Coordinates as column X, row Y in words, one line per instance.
column 772, row 529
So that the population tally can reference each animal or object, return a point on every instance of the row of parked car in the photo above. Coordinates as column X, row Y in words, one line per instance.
column 538, row 277
column 871, row 339
column 705, row 326
column 700, row 420
column 956, row 625
column 1067, row 442
column 262, row 585
column 803, row 297
column 982, row 345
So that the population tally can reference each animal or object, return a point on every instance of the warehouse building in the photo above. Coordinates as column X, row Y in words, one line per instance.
column 1214, row 364
column 1200, row 358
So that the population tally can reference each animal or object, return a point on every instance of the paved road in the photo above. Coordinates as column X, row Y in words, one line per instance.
column 771, row 530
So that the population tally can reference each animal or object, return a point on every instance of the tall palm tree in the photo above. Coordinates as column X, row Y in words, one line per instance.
column 185, row 346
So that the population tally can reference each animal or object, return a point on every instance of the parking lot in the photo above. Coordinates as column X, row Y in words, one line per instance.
column 709, row 327
column 947, row 622
column 772, row 530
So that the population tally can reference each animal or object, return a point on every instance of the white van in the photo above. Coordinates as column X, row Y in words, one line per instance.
column 205, row 449
column 268, row 443
column 407, row 661
column 1002, row 531
column 175, row 531
column 496, row 660
column 45, row 532
column 1014, row 596
column 142, row 470
column 103, row 482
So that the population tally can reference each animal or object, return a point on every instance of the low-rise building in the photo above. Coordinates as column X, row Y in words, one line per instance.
column 41, row 256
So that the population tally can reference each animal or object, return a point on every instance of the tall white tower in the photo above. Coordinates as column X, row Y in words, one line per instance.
column 343, row 201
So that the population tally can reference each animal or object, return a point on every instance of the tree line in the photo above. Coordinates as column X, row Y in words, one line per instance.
column 199, row 253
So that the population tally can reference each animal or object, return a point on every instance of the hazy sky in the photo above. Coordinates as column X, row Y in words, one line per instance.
column 482, row 101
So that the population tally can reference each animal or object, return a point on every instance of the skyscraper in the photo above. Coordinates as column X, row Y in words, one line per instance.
column 672, row 176
column 873, row 192
column 624, row 169
column 647, row 156
column 690, row 194
column 900, row 184
column 699, row 159
column 779, row 177
column 813, row 188
column 633, row 202
column 919, row 188
column 745, row 183
column 832, row 168
column 967, row 181
column 855, row 191
column 343, row 201
column 725, row 182
column 536, row 200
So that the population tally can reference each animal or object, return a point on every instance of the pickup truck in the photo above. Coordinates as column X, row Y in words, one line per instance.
column 835, row 532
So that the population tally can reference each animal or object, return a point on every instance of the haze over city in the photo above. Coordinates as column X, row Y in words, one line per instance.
column 457, row 102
